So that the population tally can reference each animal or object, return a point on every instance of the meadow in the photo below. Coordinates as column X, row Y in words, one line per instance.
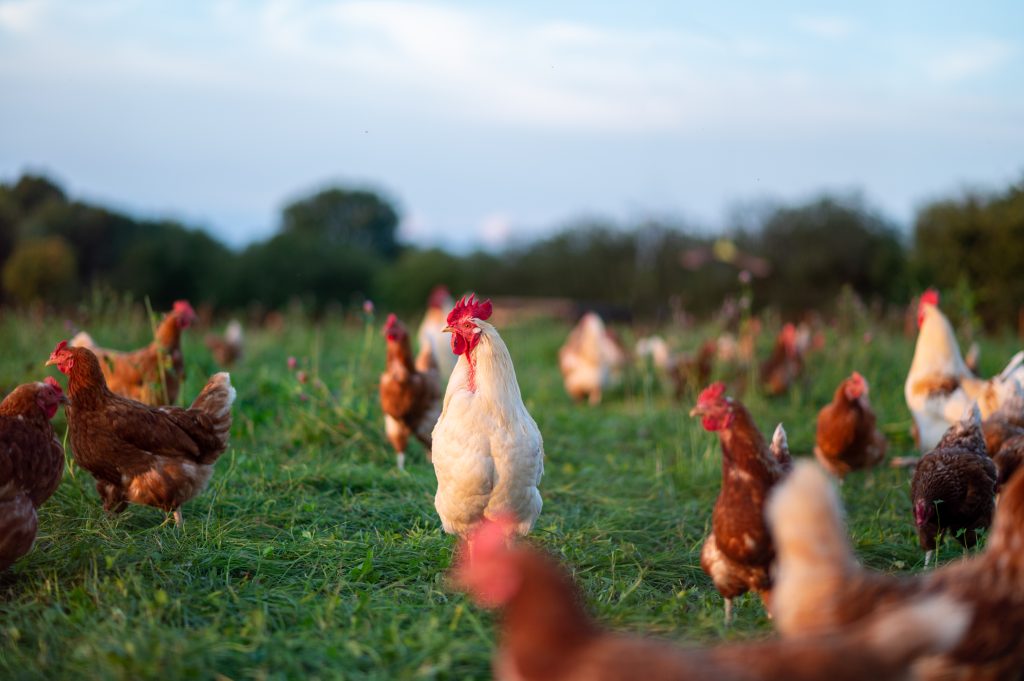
column 312, row 556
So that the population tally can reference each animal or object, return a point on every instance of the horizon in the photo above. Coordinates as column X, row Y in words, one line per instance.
column 483, row 123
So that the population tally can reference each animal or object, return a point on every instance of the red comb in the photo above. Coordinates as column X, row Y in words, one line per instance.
column 63, row 345
column 183, row 306
column 470, row 307
column 930, row 297
column 52, row 382
column 712, row 393
column 391, row 322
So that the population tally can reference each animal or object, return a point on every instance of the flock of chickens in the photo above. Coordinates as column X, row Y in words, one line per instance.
column 776, row 527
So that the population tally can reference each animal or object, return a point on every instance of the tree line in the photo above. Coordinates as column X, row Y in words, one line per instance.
column 340, row 246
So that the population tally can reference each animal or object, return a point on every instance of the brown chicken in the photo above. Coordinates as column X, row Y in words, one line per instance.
column 738, row 553
column 31, row 463
column 953, row 489
column 410, row 392
column 153, row 374
column 821, row 588
column 784, row 365
column 547, row 635
column 847, row 439
column 1008, row 459
column 154, row 456
column 226, row 349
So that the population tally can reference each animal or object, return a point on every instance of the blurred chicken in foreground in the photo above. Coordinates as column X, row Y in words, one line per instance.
column 847, row 439
column 31, row 463
column 152, row 375
column 547, row 635
column 821, row 588
column 939, row 386
column 410, row 393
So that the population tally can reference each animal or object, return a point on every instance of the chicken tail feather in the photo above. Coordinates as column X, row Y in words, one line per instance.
column 814, row 557
column 1014, row 364
column 929, row 626
column 215, row 401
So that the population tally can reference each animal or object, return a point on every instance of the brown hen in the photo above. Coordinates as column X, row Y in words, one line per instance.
column 738, row 553
column 31, row 463
column 154, row 456
column 410, row 392
column 153, row 374
column 847, row 439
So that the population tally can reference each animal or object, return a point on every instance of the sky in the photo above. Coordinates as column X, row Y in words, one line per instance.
column 490, row 121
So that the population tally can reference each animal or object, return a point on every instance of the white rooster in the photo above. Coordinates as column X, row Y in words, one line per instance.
column 939, row 386
column 487, row 450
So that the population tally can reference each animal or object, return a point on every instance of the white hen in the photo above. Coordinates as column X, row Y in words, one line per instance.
column 586, row 359
column 939, row 386
column 487, row 450
column 431, row 332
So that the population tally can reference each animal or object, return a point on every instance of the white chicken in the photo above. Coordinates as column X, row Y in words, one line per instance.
column 939, row 386
column 431, row 332
column 587, row 359
column 487, row 450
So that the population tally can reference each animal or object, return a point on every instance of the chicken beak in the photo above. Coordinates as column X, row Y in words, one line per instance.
column 697, row 411
column 50, row 362
column 447, row 329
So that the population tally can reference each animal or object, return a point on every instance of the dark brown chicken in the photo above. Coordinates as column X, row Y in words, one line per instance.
column 847, row 439
column 953, row 489
column 31, row 463
column 821, row 588
column 153, row 374
column 410, row 392
column 1008, row 459
column 784, row 365
column 547, row 635
column 738, row 553
column 154, row 456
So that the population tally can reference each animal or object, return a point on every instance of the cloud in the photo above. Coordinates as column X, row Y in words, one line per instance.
column 20, row 16
column 825, row 27
column 977, row 59
column 495, row 230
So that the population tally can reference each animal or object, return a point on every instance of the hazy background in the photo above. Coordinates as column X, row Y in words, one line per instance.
column 481, row 119
column 644, row 157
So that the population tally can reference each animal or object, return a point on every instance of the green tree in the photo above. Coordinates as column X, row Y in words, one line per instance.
column 345, row 217
column 40, row 270
column 32, row 191
column 817, row 248
column 975, row 241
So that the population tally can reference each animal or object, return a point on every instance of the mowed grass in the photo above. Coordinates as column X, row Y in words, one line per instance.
column 311, row 556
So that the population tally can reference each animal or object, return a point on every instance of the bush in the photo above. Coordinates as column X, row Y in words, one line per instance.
column 41, row 270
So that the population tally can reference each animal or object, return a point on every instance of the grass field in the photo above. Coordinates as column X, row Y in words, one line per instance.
column 311, row 556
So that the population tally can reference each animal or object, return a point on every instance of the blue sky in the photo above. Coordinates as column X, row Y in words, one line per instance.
column 486, row 120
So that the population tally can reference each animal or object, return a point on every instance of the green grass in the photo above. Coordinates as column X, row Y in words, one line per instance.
column 311, row 556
